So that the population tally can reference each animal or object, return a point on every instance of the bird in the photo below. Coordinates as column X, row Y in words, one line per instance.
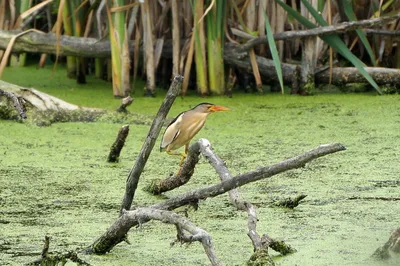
column 185, row 126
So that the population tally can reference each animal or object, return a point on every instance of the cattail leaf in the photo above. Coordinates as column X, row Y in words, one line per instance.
column 274, row 51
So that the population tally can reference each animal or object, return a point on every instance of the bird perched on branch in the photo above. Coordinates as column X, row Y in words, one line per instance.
column 185, row 126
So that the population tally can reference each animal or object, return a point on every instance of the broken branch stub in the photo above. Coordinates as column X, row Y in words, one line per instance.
column 124, row 104
column 115, row 150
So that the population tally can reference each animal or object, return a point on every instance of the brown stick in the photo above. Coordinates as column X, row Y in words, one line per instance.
column 136, row 171
column 115, row 150
column 118, row 230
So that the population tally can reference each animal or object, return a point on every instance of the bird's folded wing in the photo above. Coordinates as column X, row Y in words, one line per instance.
column 172, row 132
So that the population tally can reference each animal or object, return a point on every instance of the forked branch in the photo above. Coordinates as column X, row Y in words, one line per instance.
column 118, row 230
column 182, row 224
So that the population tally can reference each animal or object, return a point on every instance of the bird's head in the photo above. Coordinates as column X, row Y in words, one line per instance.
column 210, row 108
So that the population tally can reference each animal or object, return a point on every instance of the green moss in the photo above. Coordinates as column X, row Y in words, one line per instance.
column 260, row 257
column 55, row 180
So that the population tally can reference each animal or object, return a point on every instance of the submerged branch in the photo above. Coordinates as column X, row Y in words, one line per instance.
column 118, row 230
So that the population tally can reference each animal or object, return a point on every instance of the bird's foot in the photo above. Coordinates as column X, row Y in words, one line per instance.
column 179, row 171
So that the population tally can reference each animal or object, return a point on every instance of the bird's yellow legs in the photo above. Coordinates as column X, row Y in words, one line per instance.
column 183, row 155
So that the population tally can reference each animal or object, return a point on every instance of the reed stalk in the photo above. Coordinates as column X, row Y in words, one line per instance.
column 215, row 46
column 120, row 58
column 200, row 49
column 20, row 60
column 147, row 25
column 69, row 31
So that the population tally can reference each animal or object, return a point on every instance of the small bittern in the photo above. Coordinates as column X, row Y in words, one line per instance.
column 185, row 126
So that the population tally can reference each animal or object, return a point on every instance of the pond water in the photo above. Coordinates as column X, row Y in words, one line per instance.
column 55, row 180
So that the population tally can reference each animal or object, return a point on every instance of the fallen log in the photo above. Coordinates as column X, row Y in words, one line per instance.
column 234, row 55
column 340, row 75
column 39, row 100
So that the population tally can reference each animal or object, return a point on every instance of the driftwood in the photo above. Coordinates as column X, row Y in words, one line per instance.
column 118, row 230
column 117, row 146
column 136, row 171
column 391, row 246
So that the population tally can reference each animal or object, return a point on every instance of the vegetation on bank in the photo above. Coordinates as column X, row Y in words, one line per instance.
column 192, row 38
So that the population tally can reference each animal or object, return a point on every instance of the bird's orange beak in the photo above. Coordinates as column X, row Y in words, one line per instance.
column 218, row 108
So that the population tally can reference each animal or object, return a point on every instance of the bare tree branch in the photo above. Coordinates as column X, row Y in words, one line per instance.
column 118, row 230
column 241, row 204
column 136, row 171
column 182, row 223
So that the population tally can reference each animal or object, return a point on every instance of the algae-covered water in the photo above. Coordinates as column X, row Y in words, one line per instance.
column 55, row 180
